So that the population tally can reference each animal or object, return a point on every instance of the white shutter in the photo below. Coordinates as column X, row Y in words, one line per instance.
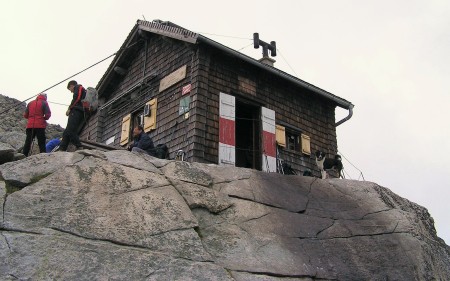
column 227, row 130
column 269, row 163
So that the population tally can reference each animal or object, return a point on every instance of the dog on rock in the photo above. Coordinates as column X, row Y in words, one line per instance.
column 324, row 164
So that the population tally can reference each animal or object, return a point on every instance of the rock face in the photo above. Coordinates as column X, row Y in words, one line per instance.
column 12, row 129
column 92, row 215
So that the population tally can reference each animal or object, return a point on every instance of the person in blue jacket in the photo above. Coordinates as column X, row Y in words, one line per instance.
column 51, row 144
column 142, row 142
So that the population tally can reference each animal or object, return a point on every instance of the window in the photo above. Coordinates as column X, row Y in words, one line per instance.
column 293, row 141
column 138, row 119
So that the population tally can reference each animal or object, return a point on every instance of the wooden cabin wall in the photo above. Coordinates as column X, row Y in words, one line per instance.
column 294, row 105
column 204, row 114
column 209, row 72
column 172, row 129
column 89, row 131
column 162, row 56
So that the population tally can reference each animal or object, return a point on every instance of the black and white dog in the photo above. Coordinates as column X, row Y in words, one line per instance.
column 325, row 164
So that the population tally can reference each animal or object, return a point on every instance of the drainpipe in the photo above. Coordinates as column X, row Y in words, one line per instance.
column 145, row 59
column 350, row 113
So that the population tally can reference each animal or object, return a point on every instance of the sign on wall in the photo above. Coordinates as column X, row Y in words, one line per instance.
column 184, row 105
column 186, row 89
column 172, row 78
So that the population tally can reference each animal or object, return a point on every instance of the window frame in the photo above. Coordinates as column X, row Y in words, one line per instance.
column 293, row 140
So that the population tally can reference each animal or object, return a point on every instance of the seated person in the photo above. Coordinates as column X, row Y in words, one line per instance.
column 142, row 142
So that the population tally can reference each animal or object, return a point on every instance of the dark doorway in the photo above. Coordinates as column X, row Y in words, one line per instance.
column 248, row 132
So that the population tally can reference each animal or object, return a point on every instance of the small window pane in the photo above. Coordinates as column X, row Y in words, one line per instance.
column 292, row 141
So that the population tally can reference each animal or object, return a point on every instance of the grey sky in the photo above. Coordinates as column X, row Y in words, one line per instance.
column 389, row 58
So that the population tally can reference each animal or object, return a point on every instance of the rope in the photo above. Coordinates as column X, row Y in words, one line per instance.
column 8, row 109
column 242, row 118
column 244, row 47
column 361, row 173
column 278, row 50
column 52, row 102
column 251, row 39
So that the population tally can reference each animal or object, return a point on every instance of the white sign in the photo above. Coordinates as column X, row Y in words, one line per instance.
column 110, row 140
column 172, row 78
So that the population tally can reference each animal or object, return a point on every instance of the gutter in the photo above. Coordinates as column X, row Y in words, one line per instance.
column 350, row 114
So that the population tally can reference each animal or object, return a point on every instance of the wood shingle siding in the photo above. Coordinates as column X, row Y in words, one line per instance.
column 210, row 71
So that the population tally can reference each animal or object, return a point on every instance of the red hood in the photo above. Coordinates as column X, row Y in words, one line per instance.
column 41, row 97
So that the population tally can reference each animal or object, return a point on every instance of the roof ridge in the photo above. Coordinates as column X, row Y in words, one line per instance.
column 170, row 30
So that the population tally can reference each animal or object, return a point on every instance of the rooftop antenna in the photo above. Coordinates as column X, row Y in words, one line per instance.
column 266, row 46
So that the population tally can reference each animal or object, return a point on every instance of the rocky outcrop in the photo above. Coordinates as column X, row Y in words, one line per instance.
column 12, row 130
column 92, row 215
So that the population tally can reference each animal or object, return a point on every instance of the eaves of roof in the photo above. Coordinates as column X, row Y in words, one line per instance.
column 119, row 54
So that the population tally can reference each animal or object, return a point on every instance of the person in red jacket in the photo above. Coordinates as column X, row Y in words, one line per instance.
column 37, row 113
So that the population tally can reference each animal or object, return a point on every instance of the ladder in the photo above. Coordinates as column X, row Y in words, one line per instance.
column 279, row 163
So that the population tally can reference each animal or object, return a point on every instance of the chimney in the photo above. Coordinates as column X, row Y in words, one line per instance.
column 267, row 60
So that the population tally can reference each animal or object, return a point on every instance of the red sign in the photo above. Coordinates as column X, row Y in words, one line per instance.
column 186, row 89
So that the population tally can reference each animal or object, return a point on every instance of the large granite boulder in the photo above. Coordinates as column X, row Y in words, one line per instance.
column 92, row 215
column 15, row 139
column 6, row 153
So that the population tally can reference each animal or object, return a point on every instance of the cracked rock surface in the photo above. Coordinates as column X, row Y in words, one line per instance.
column 92, row 215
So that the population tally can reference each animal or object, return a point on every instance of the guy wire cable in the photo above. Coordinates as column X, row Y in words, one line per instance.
column 361, row 173
column 278, row 50
column 8, row 109
column 52, row 102
column 1, row 113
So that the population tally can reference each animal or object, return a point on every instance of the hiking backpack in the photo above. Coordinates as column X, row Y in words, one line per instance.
column 161, row 151
column 90, row 101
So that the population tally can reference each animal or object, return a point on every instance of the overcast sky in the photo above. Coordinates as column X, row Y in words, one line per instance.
column 391, row 59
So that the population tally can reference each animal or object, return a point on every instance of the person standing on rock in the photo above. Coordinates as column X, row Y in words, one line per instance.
column 37, row 113
column 142, row 142
column 76, row 116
